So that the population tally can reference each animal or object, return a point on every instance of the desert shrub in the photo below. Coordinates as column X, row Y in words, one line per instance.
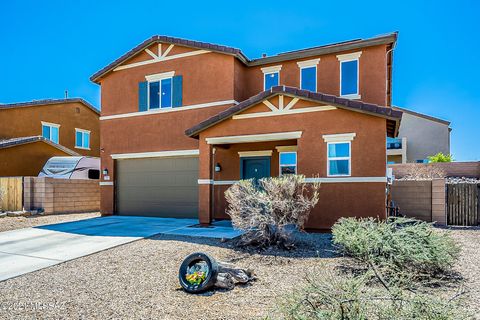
column 398, row 245
column 329, row 296
column 265, row 209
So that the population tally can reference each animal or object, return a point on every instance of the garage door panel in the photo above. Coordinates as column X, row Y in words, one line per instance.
column 157, row 187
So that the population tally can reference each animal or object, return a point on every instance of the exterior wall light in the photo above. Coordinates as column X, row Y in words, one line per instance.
column 105, row 172
column 218, row 168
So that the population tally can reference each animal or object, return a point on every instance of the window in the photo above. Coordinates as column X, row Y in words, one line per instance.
column 271, row 77
column 338, row 159
column 160, row 94
column 160, row 90
column 349, row 75
column 308, row 74
column 82, row 139
column 288, row 163
column 50, row 131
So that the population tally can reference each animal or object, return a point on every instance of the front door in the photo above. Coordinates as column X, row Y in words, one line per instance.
column 254, row 167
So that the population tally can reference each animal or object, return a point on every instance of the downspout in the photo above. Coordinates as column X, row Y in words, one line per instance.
column 212, row 199
column 391, row 72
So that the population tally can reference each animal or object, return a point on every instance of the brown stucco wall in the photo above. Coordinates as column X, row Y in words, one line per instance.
column 215, row 77
column 27, row 121
column 26, row 159
column 337, row 199
column 372, row 75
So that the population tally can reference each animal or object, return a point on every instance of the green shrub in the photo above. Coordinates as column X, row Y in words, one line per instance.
column 400, row 245
column 440, row 157
column 328, row 296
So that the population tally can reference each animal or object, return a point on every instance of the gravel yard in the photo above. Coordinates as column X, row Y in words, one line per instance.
column 13, row 223
column 139, row 281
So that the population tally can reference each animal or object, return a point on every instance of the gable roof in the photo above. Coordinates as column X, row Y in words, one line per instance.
column 393, row 116
column 44, row 102
column 297, row 54
column 13, row 142
column 421, row 115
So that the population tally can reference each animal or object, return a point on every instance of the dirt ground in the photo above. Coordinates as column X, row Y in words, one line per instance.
column 12, row 223
column 139, row 281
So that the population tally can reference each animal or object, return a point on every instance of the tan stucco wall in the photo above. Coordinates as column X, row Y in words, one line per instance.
column 27, row 121
column 26, row 159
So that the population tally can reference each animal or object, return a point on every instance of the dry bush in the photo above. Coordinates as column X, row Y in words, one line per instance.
column 424, row 172
column 265, row 209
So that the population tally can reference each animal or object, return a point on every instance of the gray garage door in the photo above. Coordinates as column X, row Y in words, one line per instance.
column 162, row 187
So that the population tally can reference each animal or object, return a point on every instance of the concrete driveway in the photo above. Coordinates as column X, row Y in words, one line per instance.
column 26, row 250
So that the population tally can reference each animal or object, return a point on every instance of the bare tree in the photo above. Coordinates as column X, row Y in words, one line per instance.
column 263, row 209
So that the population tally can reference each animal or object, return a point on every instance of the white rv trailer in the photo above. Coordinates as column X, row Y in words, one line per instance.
column 71, row 168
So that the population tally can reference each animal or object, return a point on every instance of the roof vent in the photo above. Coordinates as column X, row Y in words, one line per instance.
column 264, row 55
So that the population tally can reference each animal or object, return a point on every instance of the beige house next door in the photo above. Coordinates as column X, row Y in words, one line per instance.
column 160, row 187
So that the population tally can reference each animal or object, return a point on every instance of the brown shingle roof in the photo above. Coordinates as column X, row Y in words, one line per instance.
column 44, row 102
column 13, row 142
column 297, row 54
column 393, row 116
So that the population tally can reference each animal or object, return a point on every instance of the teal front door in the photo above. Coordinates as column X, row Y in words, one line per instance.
column 254, row 167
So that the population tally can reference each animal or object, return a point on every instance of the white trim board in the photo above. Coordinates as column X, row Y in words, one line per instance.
column 308, row 63
column 349, row 56
column 346, row 179
column 157, row 154
column 260, row 153
column 106, row 183
column 282, row 112
column 309, row 180
column 158, row 111
column 255, row 137
column 159, row 76
column 341, row 137
column 272, row 69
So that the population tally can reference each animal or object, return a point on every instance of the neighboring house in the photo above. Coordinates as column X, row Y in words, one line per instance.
column 419, row 136
column 33, row 132
column 183, row 120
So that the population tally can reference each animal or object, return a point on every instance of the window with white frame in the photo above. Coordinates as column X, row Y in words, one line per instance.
column 349, row 75
column 288, row 162
column 51, row 131
column 271, row 77
column 308, row 74
column 82, row 139
column 339, row 154
column 160, row 90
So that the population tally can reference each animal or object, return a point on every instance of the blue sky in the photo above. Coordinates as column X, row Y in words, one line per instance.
column 47, row 47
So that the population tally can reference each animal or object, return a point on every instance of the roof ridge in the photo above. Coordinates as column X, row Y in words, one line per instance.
column 47, row 101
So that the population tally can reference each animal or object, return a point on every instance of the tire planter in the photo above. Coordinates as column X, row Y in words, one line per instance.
column 198, row 260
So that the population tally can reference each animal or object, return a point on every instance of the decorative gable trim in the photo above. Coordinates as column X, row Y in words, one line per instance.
column 159, row 76
column 281, row 110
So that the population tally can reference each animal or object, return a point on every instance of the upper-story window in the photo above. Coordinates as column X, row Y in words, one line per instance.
column 308, row 74
column 349, row 75
column 339, row 157
column 50, row 131
column 271, row 77
column 160, row 90
column 82, row 139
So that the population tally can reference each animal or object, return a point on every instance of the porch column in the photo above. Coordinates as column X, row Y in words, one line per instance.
column 205, row 186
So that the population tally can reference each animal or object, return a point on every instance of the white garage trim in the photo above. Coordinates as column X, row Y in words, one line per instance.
column 157, row 154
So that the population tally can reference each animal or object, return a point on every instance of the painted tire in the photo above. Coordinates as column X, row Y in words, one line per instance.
column 211, row 275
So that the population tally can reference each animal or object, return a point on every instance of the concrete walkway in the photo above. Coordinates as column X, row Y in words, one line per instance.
column 26, row 250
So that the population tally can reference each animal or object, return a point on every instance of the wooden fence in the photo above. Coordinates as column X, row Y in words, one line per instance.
column 463, row 204
column 11, row 194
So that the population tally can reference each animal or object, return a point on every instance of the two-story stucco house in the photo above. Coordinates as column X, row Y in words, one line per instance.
column 183, row 120
column 33, row 132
